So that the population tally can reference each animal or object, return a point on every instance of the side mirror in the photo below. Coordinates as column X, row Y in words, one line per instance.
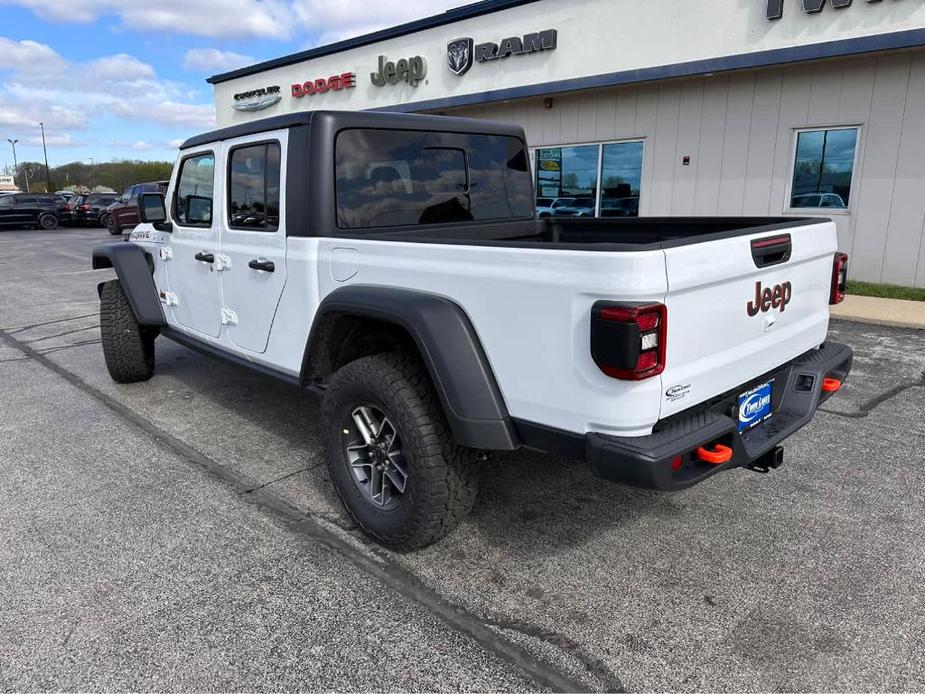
column 151, row 209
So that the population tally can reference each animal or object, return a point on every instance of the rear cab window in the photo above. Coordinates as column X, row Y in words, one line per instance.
column 388, row 178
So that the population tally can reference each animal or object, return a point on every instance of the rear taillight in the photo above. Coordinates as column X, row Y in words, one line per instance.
column 839, row 278
column 86, row 208
column 628, row 340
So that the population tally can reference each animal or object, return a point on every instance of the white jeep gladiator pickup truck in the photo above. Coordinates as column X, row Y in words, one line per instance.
column 393, row 263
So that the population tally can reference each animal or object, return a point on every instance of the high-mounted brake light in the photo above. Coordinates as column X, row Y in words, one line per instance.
column 839, row 278
column 628, row 341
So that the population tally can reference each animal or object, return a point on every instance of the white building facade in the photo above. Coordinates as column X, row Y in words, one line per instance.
column 663, row 107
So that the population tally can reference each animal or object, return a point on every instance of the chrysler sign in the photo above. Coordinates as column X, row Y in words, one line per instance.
column 257, row 99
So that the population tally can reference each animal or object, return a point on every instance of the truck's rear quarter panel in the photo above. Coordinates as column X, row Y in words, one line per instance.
column 531, row 310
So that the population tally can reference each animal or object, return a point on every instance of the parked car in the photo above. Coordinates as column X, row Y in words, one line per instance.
column 554, row 206
column 579, row 207
column 807, row 200
column 87, row 209
column 38, row 210
column 123, row 213
column 422, row 342
column 620, row 207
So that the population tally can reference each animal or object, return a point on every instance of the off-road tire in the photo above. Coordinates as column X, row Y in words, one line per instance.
column 442, row 476
column 128, row 348
column 48, row 222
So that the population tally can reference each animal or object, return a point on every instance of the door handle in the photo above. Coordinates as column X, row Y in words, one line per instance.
column 205, row 257
column 265, row 265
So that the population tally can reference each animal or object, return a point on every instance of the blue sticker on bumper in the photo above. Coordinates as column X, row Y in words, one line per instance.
column 754, row 406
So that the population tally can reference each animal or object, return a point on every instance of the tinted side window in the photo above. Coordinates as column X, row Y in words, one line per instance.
column 192, row 203
column 253, row 187
column 395, row 177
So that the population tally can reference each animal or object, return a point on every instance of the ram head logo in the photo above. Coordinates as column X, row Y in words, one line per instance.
column 459, row 55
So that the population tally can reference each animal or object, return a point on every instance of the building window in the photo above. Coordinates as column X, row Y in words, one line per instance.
column 621, row 179
column 823, row 167
column 600, row 180
column 253, row 195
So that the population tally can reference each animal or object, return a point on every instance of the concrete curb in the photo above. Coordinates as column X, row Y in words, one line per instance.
column 898, row 313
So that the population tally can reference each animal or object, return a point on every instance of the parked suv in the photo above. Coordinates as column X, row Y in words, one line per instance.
column 90, row 210
column 123, row 213
column 41, row 210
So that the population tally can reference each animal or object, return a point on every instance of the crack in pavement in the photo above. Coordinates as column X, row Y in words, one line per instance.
column 68, row 332
column 594, row 665
column 313, row 527
column 22, row 328
column 279, row 479
column 869, row 406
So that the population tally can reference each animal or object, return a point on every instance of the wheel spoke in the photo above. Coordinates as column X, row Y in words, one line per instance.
column 361, row 418
column 386, row 433
column 398, row 479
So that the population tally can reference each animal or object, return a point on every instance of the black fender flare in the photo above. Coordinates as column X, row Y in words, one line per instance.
column 134, row 267
column 450, row 349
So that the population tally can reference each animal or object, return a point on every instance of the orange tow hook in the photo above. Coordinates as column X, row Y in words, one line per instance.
column 830, row 385
column 720, row 454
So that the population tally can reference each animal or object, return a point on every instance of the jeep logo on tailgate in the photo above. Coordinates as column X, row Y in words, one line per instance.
column 765, row 299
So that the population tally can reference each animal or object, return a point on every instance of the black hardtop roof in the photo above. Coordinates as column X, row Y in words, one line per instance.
column 358, row 119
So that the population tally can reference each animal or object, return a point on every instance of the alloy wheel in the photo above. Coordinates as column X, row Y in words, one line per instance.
column 372, row 449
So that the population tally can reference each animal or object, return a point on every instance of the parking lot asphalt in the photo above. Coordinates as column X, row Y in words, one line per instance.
column 183, row 534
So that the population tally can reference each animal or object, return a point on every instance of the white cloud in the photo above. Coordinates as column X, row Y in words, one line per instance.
column 41, row 86
column 62, row 140
column 269, row 19
column 168, row 113
column 347, row 18
column 29, row 57
column 119, row 68
column 226, row 18
column 175, row 144
column 213, row 60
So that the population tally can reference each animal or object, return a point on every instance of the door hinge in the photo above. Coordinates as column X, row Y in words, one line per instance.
column 229, row 317
column 168, row 298
column 166, row 253
column 222, row 262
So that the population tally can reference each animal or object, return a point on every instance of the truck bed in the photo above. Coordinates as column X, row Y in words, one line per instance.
column 579, row 233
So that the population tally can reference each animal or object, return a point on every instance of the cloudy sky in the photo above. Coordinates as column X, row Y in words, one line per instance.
column 125, row 79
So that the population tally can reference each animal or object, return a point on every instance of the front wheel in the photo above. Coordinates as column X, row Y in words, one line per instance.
column 128, row 348
column 48, row 222
column 104, row 220
column 391, row 455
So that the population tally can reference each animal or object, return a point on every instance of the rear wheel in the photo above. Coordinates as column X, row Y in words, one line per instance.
column 391, row 455
column 48, row 222
column 128, row 348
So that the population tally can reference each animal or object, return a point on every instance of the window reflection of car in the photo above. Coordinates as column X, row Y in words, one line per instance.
column 554, row 206
column 579, row 207
column 620, row 207
column 818, row 200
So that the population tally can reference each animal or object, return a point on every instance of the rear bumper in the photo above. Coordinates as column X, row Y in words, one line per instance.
column 651, row 462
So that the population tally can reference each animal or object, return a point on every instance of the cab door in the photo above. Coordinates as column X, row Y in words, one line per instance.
column 253, row 236
column 191, row 272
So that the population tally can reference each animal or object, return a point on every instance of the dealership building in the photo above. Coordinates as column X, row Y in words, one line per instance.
column 662, row 107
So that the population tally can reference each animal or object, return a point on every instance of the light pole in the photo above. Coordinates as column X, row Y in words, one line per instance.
column 15, row 163
column 45, row 151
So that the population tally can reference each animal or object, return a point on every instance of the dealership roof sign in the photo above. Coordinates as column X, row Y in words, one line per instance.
column 462, row 52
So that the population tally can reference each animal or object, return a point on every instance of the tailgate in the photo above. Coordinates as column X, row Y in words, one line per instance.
column 730, row 321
